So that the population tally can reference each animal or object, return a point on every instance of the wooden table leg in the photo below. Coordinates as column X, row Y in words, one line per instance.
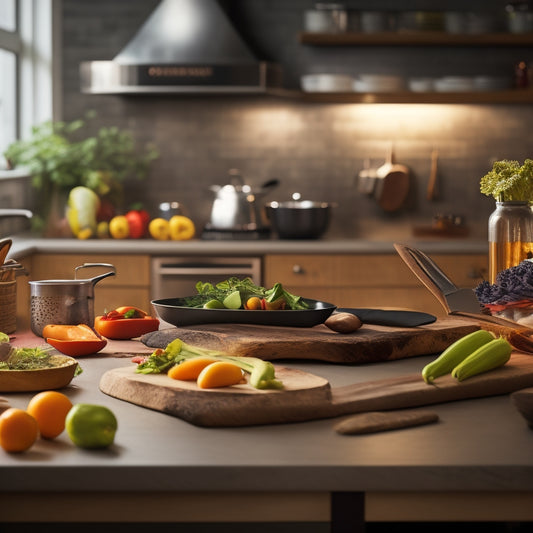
column 347, row 512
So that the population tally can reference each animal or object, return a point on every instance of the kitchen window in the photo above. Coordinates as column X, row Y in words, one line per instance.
column 26, row 67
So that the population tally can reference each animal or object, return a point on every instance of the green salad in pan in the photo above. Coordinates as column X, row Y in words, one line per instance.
column 235, row 293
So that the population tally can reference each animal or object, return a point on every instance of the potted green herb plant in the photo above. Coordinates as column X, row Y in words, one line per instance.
column 59, row 158
column 511, row 224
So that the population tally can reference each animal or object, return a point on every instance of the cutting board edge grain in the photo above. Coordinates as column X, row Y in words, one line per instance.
column 370, row 344
column 234, row 406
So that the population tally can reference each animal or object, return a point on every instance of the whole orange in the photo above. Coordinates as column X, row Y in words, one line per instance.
column 18, row 430
column 50, row 409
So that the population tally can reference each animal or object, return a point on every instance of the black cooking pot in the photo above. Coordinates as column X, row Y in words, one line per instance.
column 303, row 219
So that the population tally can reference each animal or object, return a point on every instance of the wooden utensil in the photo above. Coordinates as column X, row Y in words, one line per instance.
column 377, row 421
column 305, row 396
column 432, row 183
column 5, row 246
column 392, row 185
column 10, row 270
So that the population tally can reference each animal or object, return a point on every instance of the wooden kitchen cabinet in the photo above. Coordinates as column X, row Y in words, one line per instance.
column 369, row 280
column 130, row 285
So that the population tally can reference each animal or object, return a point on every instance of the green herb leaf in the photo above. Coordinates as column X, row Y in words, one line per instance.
column 509, row 181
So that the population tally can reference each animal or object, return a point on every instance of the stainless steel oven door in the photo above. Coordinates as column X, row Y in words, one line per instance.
column 175, row 277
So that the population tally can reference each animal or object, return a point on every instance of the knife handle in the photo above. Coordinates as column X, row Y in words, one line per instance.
column 421, row 275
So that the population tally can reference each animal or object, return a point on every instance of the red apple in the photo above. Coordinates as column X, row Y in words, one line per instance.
column 138, row 220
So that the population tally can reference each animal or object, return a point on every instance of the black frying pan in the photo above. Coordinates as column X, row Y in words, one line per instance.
column 173, row 311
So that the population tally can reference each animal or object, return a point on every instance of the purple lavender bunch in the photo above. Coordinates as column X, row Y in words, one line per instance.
column 512, row 284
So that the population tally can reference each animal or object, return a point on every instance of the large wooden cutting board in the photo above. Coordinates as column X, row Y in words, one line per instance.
column 305, row 396
column 370, row 343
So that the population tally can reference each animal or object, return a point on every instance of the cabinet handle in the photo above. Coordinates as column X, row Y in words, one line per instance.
column 298, row 269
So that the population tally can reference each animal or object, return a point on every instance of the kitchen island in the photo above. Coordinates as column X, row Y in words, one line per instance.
column 475, row 464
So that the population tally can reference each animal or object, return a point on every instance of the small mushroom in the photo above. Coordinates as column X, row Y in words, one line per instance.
column 343, row 322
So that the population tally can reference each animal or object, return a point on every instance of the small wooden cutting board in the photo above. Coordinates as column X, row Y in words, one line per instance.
column 305, row 396
column 369, row 344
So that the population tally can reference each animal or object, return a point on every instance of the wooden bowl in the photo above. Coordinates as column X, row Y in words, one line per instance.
column 56, row 377
column 523, row 401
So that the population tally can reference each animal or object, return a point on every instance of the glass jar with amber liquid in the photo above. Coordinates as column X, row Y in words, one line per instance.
column 510, row 236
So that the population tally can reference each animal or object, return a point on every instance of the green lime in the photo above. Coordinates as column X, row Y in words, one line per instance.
column 4, row 337
column 233, row 300
column 91, row 426
column 214, row 304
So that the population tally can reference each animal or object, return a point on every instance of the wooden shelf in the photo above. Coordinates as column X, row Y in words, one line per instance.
column 415, row 38
column 511, row 96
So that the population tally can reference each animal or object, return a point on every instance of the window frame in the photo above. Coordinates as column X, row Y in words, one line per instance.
column 36, row 44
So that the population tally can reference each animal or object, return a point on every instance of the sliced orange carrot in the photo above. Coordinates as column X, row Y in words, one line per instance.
column 190, row 369
column 219, row 374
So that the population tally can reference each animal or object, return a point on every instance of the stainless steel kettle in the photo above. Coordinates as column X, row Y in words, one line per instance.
column 236, row 205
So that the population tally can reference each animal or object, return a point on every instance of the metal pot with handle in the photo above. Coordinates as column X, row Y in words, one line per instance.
column 65, row 301
column 236, row 205
column 299, row 219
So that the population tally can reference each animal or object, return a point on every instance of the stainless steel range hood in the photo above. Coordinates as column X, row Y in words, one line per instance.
column 185, row 46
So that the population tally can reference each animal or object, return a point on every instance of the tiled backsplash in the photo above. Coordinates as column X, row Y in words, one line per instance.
column 314, row 149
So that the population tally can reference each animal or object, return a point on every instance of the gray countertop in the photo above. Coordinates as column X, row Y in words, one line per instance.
column 478, row 445
column 24, row 245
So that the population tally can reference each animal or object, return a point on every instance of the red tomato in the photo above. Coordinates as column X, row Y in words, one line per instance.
column 138, row 222
column 125, row 328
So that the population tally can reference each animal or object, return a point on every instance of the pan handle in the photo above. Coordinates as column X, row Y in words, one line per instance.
column 96, row 279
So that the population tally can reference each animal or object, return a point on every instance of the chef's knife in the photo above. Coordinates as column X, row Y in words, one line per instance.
column 455, row 301
column 390, row 317
column 451, row 297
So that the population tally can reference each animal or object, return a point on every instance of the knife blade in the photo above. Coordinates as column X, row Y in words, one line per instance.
column 390, row 317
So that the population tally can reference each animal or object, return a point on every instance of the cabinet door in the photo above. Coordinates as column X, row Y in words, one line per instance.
column 368, row 280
